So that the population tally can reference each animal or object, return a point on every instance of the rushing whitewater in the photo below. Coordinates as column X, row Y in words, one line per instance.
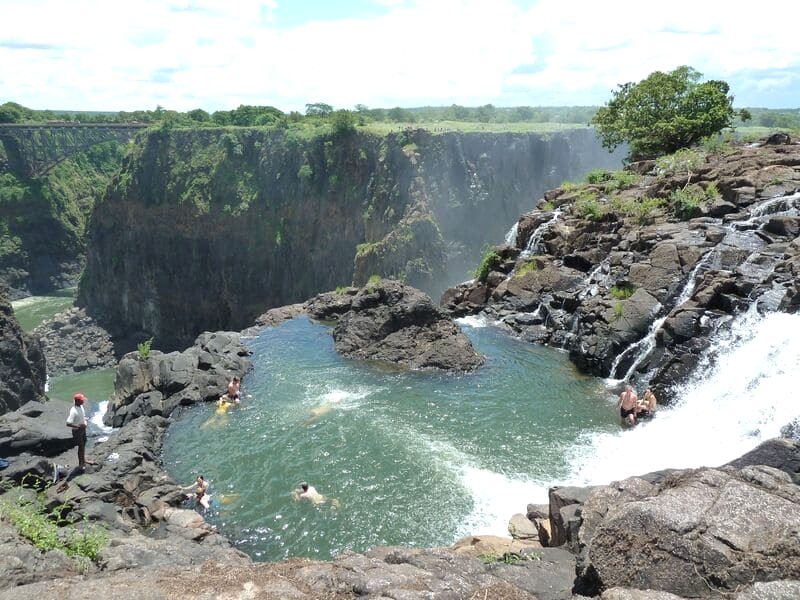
column 744, row 390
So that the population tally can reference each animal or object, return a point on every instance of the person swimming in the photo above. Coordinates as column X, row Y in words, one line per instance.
column 310, row 493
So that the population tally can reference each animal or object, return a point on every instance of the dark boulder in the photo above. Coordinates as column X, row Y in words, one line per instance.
column 36, row 428
column 158, row 384
column 22, row 363
column 396, row 324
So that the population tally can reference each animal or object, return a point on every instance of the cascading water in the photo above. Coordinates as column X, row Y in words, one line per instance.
column 648, row 342
column 511, row 236
column 536, row 237
column 740, row 395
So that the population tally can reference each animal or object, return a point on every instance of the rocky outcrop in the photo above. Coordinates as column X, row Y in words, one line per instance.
column 390, row 323
column 630, row 275
column 697, row 533
column 22, row 364
column 159, row 383
column 234, row 222
column 397, row 324
column 73, row 342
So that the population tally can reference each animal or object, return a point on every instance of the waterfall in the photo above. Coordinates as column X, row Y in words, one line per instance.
column 591, row 290
column 511, row 236
column 648, row 342
column 740, row 395
column 536, row 236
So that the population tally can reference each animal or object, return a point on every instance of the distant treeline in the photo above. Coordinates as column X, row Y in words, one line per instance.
column 248, row 116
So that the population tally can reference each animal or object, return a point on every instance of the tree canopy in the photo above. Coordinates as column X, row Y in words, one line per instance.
column 665, row 112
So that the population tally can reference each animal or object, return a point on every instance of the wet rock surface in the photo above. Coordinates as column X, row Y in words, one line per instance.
column 159, row 383
column 390, row 323
column 631, row 292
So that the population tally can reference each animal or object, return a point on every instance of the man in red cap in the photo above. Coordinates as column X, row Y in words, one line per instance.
column 77, row 422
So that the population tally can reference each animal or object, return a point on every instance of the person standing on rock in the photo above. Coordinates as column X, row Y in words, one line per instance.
column 76, row 420
column 628, row 403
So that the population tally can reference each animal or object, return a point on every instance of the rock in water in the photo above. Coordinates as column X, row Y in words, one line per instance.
column 398, row 324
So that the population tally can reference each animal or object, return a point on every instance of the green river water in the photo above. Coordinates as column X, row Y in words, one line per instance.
column 418, row 459
column 31, row 311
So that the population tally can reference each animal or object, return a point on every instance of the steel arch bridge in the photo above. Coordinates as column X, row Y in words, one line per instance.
column 33, row 150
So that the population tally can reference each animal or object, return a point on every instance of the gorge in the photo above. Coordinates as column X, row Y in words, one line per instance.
column 680, row 297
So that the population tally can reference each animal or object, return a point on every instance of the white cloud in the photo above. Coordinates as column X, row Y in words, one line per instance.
column 216, row 54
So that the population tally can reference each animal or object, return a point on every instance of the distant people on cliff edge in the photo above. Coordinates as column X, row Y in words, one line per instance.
column 628, row 404
column 76, row 420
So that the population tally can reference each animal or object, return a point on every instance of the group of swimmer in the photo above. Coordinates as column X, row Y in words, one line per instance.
column 201, row 496
column 632, row 409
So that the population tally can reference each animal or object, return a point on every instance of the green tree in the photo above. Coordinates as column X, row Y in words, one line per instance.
column 318, row 108
column 343, row 122
column 665, row 112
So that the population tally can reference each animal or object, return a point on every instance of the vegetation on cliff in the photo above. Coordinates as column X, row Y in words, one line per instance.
column 43, row 221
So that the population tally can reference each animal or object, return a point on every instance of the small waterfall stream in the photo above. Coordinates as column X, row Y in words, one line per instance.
column 648, row 342
column 536, row 237
column 739, row 234
column 511, row 236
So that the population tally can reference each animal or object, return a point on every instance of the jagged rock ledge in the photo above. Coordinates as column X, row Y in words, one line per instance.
column 598, row 264
column 390, row 323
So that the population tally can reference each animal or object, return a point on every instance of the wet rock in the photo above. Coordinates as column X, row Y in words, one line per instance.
column 162, row 382
column 397, row 324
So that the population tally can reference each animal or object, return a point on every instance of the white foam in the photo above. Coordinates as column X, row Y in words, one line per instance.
column 474, row 321
column 97, row 418
column 736, row 400
column 496, row 498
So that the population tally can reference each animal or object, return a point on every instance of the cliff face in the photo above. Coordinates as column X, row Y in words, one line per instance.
column 206, row 229
column 43, row 221
column 22, row 365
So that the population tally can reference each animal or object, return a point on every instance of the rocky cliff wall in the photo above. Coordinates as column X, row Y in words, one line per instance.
column 22, row 365
column 206, row 229
column 43, row 221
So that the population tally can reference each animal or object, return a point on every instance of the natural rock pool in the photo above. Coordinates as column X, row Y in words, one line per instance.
column 418, row 459
column 421, row 459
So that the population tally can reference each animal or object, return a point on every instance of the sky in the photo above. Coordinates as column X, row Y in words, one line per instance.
column 106, row 55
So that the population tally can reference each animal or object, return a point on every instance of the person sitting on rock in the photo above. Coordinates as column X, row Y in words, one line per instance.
column 627, row 404
column 647, row 406
column 200, row 492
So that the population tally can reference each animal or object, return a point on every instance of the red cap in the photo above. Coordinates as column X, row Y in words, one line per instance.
column 80, row 397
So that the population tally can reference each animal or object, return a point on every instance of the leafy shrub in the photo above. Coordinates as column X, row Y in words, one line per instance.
column 528, row 267
column 144, row 348
column 589, row 207
column 598, row 176
column 685, row 160
column 618, row 308
column 372, row 283
column 489, row 261
column 712, row 191
column 686, row 202
column 640, row 209
column 547, row 205
column 623, row 291
column 621, row 180
column 305, row 173
column 44, row 529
